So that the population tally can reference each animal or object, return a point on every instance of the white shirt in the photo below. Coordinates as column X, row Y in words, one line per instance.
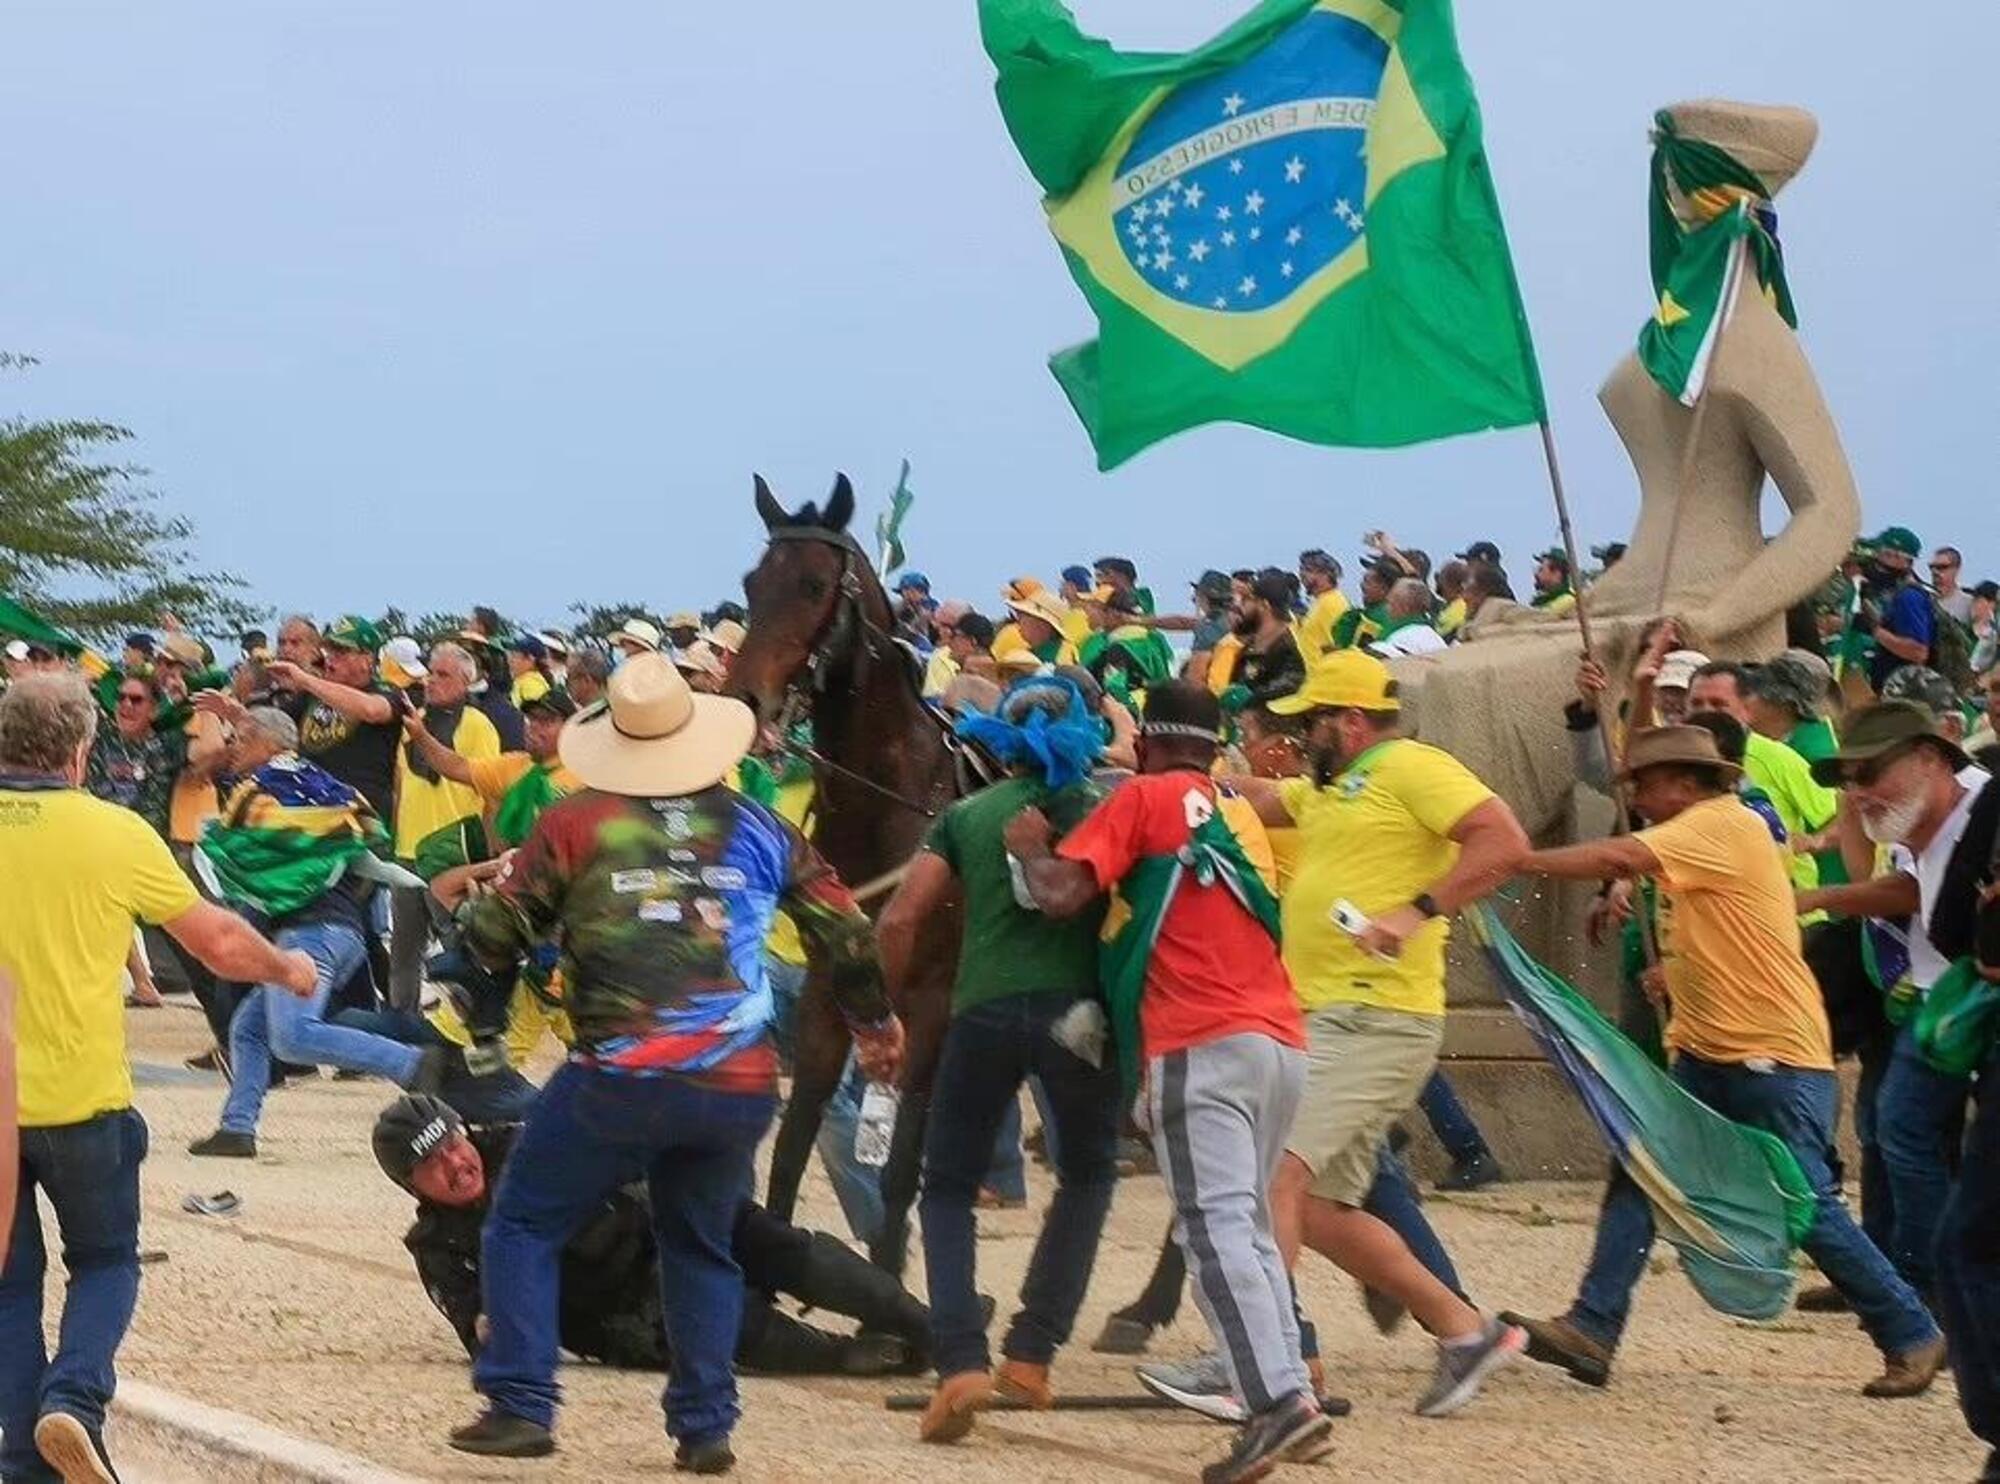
column 1416, row 638
column 1927, row 965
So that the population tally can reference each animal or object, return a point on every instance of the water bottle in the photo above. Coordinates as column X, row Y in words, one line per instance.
column 877, row 1125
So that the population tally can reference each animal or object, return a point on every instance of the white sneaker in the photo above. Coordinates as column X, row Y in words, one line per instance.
column 1201, row 1385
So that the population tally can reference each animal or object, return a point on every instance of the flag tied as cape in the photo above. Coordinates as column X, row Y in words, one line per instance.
column 1213, row 856
column 1697, row 269
column 1292, row 226
column 1732, row 1200
column 286, row 836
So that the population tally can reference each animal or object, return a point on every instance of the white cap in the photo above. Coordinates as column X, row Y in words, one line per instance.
column 1677, row 669
column 406, row 655
column 17, row 649
column 637, row 631
column 554, row 643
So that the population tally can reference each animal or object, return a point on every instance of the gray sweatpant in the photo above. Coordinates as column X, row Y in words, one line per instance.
column 1220, row 1115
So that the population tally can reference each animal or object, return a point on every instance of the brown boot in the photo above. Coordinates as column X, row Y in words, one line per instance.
column 1019, row 1381
column 1909, row 1373
column 949, row 1416
column 1557, row 1342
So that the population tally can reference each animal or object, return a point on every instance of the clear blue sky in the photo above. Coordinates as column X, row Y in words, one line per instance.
column 453, row 302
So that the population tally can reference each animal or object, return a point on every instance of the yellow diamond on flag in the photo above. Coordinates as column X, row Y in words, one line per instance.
column 1670, row 312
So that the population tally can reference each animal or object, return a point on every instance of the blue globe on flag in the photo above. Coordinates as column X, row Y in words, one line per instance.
column 1241, row 186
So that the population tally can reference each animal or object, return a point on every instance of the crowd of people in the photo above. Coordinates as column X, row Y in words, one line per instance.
column 1206, row 907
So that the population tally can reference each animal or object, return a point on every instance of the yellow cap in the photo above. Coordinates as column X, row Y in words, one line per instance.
column 1345, row 678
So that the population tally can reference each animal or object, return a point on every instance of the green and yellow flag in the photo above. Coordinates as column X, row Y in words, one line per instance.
column 1292, row 226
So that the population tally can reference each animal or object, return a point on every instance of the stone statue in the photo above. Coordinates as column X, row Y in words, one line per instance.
column 1697, row 553
column 1496, row 701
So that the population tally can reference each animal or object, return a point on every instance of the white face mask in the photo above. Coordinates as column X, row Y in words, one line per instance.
column 1893, row 823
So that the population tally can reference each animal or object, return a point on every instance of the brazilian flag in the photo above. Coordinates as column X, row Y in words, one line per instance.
column 1292, row 226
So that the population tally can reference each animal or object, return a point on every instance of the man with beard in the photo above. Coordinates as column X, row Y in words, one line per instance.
column 1747, row 1034
column 1916, row 792
column 1270, row 665
column 1394, row 837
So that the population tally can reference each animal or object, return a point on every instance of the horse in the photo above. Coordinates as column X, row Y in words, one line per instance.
column 820, row 631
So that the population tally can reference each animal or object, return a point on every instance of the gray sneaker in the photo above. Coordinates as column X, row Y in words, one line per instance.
column 1463, row 1369
column 1201, row 1385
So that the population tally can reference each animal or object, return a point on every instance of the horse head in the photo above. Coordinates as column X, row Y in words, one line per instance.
column 811, row 597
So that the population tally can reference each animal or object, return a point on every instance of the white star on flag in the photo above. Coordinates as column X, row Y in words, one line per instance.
column 1181, row 282
column 1253, row 203
column 1233, row 104
column 1295, row 170
column 1222, row 213
column 1292, row 237
column 1162, row 261
column 1255, row 233
column 1229, row 239
column 1220, row 302
column 1192, row 195
column 1235, row 167
column 1137, row 229
column 1286, row 267
column 1142, row 211
column 1247, row 287
column 1166, row 204
column 1199, row 250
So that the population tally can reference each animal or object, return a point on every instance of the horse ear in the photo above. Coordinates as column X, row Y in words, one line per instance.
column 767, row 505
column 839, row 505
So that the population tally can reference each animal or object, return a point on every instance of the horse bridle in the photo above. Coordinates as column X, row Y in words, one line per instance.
column 838, row 636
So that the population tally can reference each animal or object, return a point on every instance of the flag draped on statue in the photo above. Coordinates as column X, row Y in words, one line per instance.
column 1732, row 1200
column 1698, row 266
column 889, row 525
column 1292, row 226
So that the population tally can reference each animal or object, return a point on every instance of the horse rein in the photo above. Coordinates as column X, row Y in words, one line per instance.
column 849, row 616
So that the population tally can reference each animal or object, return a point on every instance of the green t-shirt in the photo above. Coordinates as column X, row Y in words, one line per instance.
column 1008, row 950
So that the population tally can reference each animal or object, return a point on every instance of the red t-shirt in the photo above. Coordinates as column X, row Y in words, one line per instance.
column 1214, row 972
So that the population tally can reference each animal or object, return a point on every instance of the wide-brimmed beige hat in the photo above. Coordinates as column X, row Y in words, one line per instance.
column 654, row 738
column 703, row 658
column 728, row 636
column 1043, row 605
column 636, row 632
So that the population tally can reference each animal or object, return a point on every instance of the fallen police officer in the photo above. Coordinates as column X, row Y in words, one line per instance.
column 610, row 1279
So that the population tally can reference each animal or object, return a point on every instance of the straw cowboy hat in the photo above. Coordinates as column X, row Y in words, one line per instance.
column 1043, row 605
column 728, row 636
column 1652, row 747
column 654, row 738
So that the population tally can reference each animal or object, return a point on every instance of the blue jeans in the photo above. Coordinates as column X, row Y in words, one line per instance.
column 589, row 1133
column 989, row 1050
column 1452, row 1124
column 1878, row 1200
column 1919, row 1117
column 89, row 1174
column 273, row 1024
column 1968, row 1265
column 1009, row 1176
column 1798, row 1106
column 858, row 1187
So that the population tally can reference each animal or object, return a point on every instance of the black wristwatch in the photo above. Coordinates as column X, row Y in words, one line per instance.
column 1425, row 903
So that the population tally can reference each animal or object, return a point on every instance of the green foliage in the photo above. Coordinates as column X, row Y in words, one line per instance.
column 83, row 542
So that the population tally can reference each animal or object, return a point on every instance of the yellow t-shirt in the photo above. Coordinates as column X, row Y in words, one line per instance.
column 1315, row 630
column 1729, row 942
column 194, row 801
column 493, row 776
column 424, row 806
column 938, row 672
column 79, row 873
column 1377, row 837
column 530, row 685
column 1452, row 618
column 1222, row 663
